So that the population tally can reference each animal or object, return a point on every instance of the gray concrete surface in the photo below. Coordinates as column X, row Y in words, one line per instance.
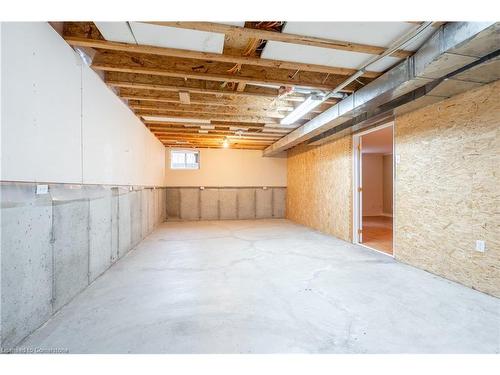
column 228, row 204
column 26, row 284
column 268, row 286
column 209, row 204
column 224, row 203
column 246, row 203
column 279, row 202
column 263, row 203
column 54, row 244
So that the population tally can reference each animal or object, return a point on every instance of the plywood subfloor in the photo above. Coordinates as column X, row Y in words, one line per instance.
column 377, row 233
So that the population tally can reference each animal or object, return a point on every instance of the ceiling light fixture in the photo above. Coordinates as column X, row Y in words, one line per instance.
column 306, row 106
column 225, row 144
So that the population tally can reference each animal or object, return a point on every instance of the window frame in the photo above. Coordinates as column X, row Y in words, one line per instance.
column 186, row 167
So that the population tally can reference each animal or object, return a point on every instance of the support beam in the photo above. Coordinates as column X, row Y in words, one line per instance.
column 226, row 58
column 207, row 100
column 206, row 116
column 222, row 110
column 167, row 84
column 189, row 68
column 283, row 37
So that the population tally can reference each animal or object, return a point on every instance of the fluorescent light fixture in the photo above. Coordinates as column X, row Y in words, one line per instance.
column 305, row 107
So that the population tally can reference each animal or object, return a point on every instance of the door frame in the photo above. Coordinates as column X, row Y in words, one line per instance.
column 357, row 182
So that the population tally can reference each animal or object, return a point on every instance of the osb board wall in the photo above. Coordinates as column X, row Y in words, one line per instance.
column 320, row 187
column 448, row 188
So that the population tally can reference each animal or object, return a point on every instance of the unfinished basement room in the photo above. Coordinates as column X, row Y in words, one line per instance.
column 250, row 187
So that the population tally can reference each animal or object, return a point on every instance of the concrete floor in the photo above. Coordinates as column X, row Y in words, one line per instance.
column 268, row 286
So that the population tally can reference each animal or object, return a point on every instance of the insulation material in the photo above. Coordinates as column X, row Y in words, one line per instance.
column 246, row 203
column 447, row 194
column 209, row 204
column 263, row 203
column 279, row 202
column 228, row 204
column 320, row 187
column 190, row 204
column 173, row 203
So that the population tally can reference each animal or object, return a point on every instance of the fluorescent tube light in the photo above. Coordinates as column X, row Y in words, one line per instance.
column 305, row 107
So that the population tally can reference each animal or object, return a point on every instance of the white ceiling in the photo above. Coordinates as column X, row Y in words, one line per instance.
column 163, row 36
column 377, row 142
column 323, row 56
column 373, row 33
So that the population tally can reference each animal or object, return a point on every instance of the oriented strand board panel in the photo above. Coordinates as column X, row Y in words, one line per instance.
column 447, row 188
column 319, row 192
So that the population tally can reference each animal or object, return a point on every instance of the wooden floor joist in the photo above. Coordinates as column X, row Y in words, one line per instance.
column 283, row 37
column 207, row 70
column 202, row 97
column 180, row 53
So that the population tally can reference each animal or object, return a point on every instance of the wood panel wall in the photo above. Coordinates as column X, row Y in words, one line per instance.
column 448, row 188
column 320, row 187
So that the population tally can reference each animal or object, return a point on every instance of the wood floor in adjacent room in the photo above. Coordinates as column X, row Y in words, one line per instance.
column 377, row 233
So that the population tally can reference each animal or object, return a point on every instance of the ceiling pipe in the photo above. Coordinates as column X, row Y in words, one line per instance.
column 395, row 46
column 453, row 46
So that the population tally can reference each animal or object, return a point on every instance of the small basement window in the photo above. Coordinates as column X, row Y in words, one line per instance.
column 184, row 159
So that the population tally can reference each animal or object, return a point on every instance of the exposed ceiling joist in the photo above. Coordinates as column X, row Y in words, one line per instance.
column 179, row 53
column 237, row 111
column 207, row 116
column 188, row 68
column 283, row 37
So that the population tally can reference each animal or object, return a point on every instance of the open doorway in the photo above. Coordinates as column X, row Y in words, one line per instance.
column 373, row 190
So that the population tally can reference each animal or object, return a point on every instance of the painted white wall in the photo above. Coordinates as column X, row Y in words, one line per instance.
column 230, row 167
column 388, row 181
column 372, row 184
column 61, row 123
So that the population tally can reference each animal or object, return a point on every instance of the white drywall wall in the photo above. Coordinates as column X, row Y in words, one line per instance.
column 388, row 189
column 230, row 167
column 372, row 184
column 61, row 123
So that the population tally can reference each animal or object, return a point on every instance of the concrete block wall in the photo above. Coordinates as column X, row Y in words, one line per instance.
column 221, row 203
column 54, row 245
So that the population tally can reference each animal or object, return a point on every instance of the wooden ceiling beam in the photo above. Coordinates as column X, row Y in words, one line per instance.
column 180, row 53
column 206, row 100
column 283, row 37
column 206, row 116
column 169, row 84
column 223, row 110
column 192, row 69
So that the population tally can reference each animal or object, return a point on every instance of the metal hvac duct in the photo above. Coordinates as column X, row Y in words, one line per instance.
column 452, row 47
